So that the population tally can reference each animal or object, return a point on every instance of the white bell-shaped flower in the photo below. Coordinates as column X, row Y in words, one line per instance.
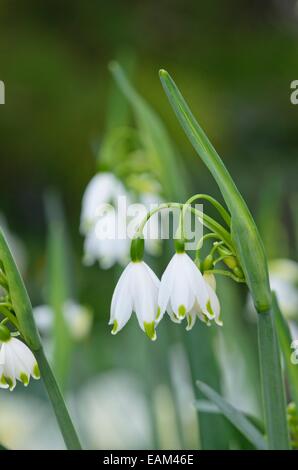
column 17, row 362
column 104, row 188
column 104, row 247
column 136, row 290
column 182, row 288
column 196, row 311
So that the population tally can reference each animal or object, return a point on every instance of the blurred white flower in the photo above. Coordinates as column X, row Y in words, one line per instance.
column 106, row 215
column 283, row 274
column 78, row 318
column 104, row 188
column 114, row 413
column 107, row 250
column 26, row 423
column 154, row 225
column 284, row 281
column 136, row 290
column 16, row 363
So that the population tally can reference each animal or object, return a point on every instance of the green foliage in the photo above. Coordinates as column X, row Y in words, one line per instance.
column 237, row 418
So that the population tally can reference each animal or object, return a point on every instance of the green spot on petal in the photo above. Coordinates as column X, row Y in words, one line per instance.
column 150, row 330
column 24, row 378
column 36, row 373
column 9, row 382
column 115, row 327
column 3, row 380
column 188, row 318
column 209, row 309
column 181, row 311
column 158, row 313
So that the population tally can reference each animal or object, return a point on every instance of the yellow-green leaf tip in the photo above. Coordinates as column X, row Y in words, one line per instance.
column 163, row 73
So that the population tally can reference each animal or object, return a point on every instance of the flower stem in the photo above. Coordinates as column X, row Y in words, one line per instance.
column 206, row 220
column 65, row 423
column 272, row 383
column 224, row 214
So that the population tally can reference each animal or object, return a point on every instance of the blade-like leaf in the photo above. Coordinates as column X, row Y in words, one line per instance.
column 249, row 245
column 206, row 406
column 251, row 254
column 237, row 418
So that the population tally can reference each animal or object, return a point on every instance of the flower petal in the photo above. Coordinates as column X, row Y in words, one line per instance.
column 145, row 295
column 121, row 306
column 166, row 285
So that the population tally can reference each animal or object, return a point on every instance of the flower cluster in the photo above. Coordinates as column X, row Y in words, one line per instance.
column 182, row 292
column 187, row 288
column 16, row 361
column 102, row 216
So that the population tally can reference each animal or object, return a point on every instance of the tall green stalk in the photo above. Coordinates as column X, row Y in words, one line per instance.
column 65, row 423
column 24, row 315
column 285, row 341
column 272, row 383
column 251, row 254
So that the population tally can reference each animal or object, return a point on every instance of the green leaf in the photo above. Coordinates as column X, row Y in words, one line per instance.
column 154, row 136
column 19, row 296
column 272, row 383
column 23, row 309
column 244, row 232
column 206, row 406
column 237, row 418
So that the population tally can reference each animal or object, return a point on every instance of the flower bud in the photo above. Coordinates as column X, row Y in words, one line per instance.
column 208, row 263
column 4, row 333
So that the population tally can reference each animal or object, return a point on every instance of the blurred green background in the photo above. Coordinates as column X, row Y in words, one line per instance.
column 234, row 62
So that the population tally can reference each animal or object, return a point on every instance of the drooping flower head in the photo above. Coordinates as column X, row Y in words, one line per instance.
column 104, row 188
column 136, row 290
column 17, row 362
column 213, row 305
column 185, row 293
